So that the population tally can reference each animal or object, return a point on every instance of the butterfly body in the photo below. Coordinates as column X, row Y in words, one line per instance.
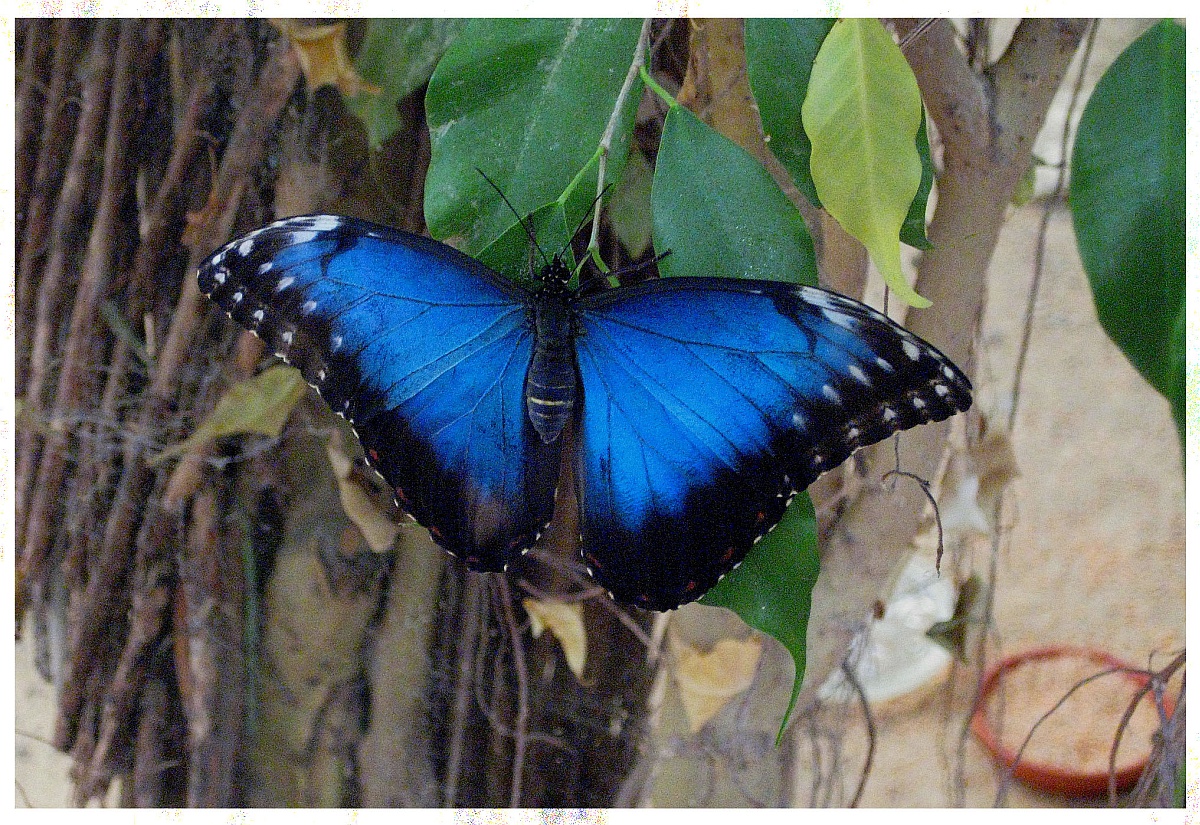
column 699, row 406
column 551, row 383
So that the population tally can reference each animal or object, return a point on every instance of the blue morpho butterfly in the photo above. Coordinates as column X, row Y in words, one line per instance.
column 700, row 405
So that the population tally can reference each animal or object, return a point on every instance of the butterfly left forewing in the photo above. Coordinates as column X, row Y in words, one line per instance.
column 424, row 350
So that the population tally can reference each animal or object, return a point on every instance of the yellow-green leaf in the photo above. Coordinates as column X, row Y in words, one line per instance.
column 260, row 404
column 861, row 114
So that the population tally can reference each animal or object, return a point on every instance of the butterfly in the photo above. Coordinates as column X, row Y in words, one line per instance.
column 699, row 406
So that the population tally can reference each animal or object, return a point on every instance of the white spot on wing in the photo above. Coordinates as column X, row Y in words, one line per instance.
column 307, row 307
column 841, row 319
column 830, row 393
column 284, row 282
column 323, row 223
column 861, row 376
column 911, row 350
column 245, row 246
column 818, row 298
column 941, row 389
column 885, row 364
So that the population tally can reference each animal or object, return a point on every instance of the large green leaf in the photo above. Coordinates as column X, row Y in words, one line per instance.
column 525, row 102
column 862, row 114
column 772, row 589
column 719, row 212
column 779, row 59
column 397, row 56
column 1127, row 199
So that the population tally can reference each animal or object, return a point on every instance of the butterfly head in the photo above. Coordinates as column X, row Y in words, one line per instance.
column 555, row 276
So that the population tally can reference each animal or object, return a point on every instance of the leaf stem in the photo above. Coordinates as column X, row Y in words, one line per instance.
column 637, row 67
column 658, row 90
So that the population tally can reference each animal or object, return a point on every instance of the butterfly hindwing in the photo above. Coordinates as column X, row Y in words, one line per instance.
column 425, row 350
column 707, row 402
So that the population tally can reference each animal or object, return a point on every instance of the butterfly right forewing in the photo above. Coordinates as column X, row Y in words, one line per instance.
column 709, row 402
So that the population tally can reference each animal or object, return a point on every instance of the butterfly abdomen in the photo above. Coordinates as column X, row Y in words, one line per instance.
column 550, row 383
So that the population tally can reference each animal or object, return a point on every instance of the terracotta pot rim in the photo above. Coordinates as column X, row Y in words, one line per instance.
column 1042, row 775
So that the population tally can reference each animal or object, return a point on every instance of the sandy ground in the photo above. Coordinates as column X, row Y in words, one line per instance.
column 1095, row 553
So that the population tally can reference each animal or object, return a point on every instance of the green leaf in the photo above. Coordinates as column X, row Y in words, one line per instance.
column 912, row 231
column 629, row 209
column 719, row 212
column 1127, row 199
column 862, row 114
column 526, row 102
column 772, row 589
column 397, row 56
column 260, row 404
column 509, row 254
column 779, row 60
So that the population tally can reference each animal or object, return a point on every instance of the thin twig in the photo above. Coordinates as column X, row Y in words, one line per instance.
column 872, row 735
column 1156, row 684
column 610, row 130
column 467, row 643
column 1048, row 208
column 521, row 722
column 1010, row 768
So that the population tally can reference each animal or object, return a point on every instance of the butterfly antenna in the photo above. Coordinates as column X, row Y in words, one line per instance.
column 528, row 229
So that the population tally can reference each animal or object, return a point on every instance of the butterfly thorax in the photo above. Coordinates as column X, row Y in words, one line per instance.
column 550, row 381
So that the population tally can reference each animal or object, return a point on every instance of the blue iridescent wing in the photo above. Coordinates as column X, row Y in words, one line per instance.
column 425, row 350
column 708, row 402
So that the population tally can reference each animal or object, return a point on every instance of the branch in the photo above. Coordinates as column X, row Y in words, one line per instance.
column 33, row 539
column 47, row 178
column 30, row 105
column 94, row 281
column 246, row 149
column 984, row 161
